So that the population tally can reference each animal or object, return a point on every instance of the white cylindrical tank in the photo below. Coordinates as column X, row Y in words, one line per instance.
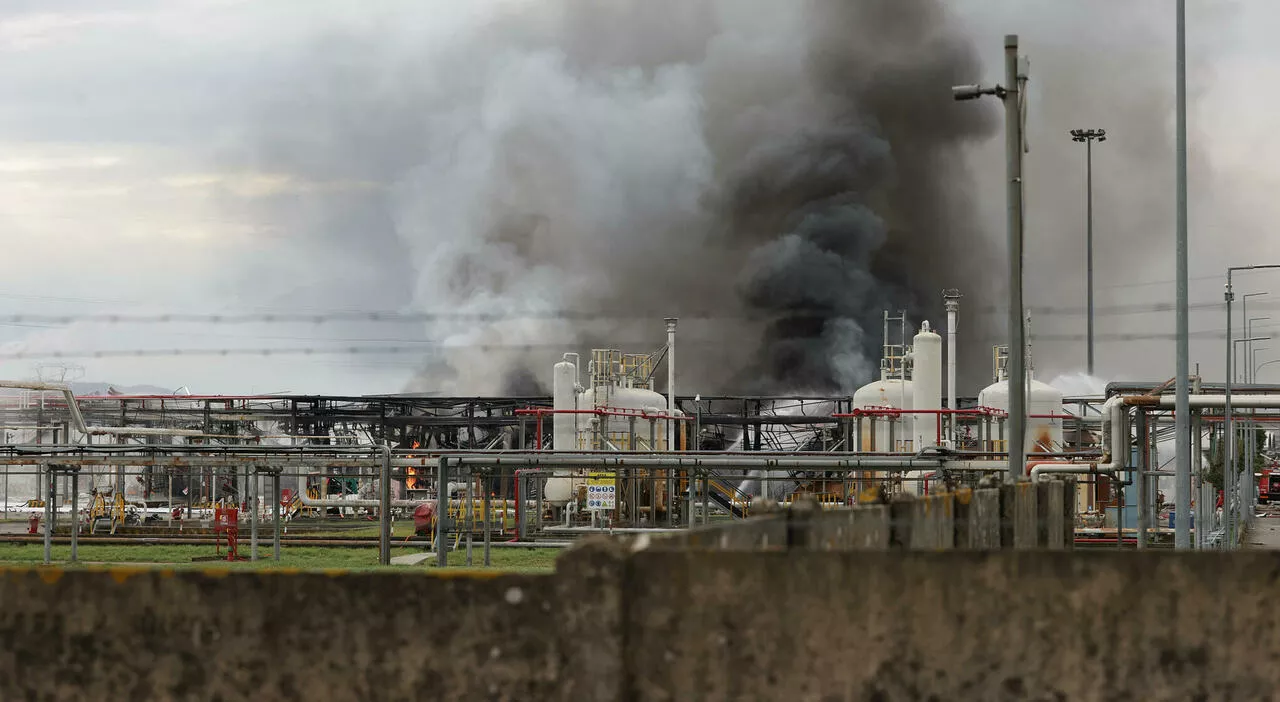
column 617, row 430
column 926, row 385
column 890, row 435
column 1044, row 407
column 564, row 397
column 564, row 427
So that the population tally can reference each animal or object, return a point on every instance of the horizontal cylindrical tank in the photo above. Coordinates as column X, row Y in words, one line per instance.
column 616, row 430
column 890, row 434
column 1044, row 409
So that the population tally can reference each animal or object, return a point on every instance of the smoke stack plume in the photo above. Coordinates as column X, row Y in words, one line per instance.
column 773, row 173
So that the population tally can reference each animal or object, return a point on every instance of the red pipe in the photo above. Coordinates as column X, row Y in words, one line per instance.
column 180, row 397
column 878, row 411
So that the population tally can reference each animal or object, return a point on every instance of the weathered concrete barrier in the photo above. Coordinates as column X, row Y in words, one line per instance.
column 1023, row 516
column 977, row 519
column 925, row 522
column 1008, row 625
column 190, row 635
column 865, row 527
column 687, row 624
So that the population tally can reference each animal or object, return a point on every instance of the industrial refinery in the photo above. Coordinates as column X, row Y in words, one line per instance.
column 631, row 350
column 606, row 453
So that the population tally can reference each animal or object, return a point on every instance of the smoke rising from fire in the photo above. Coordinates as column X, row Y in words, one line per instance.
column 776, row 174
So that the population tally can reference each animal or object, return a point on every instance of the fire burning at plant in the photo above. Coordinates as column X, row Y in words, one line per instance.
column 414, row 482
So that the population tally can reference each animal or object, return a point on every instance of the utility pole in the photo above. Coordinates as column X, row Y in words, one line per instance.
column 1088, row 136
column 1013, row 94
column 1182, row 403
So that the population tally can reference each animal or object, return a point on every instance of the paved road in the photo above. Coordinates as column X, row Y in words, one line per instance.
column 1265, row 532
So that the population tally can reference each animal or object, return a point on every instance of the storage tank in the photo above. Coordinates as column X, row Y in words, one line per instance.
column 564, row 396
column 1044, row 433
column 617, row 430
column 564, row 427
column 926, row 385
column 890, row 435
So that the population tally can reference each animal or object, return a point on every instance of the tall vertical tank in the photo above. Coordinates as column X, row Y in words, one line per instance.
column 890, row 435
column 564, row 427
column 564, row 397
column 1044, row 407
column 926, row 384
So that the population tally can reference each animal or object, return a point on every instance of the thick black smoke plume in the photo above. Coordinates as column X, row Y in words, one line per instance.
column 774, row 173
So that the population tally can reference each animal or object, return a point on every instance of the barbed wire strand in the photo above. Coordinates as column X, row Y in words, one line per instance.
column 428, row 348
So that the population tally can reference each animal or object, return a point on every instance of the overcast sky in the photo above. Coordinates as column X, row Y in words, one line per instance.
column 155, row 158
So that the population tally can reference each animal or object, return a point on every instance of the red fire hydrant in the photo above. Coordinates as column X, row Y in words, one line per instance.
column 33, row 524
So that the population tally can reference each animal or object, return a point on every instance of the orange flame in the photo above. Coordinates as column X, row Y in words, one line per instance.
column 413, row 482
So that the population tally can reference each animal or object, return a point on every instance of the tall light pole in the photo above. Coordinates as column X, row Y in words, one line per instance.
column 1253, row 362
column 1262, row 365
column 1182, row 367
column 1232, row 492
column 1243, row 375
column 1228, row 430
column 1013, row 93
column 1251, row 443
column 1088, row 136
column 1249, row 348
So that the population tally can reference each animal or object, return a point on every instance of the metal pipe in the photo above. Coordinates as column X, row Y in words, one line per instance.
column 1260, row 401
column 951, row 301
column 1144, row 457
column 384, row 509
column 442, row 513
column 339, row 502
column 210, row 541
column 488, row 531
column 1013, row 99
column 468, row 516
column 522, row 497
column 275, row 514
column 610, row 530
column 684, row 460
column 1202, row 497
column 48, row 517
column 75, row 514
column 254, row 488
column 1039, row 470
column 671, row 382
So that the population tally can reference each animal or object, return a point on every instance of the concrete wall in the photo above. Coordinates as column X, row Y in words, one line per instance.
column 977, row 519
column 685, row 624
column 958, row 625
column 1022, row 516
column 924, row 523
column 803, row 604
column 188, row 635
